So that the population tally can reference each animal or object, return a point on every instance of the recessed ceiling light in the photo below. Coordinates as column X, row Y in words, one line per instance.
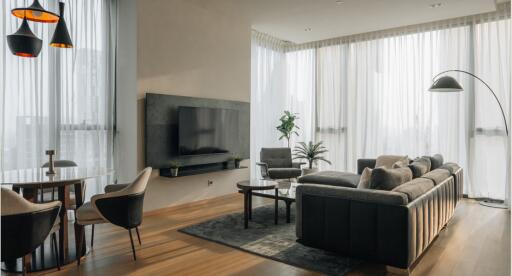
column 307, row 29
column 436, row 5
column 339, row 2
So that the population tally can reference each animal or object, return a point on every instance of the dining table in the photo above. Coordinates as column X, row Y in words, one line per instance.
column 28, row 182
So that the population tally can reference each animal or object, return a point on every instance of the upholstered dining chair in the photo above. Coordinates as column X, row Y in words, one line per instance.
column 122, row 207
column 276, row 163
column 25, row 226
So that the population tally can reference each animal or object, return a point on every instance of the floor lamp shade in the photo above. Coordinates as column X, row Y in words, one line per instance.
column 445, row 84
column 61, row 38
column 36, row 13
column 24, row 42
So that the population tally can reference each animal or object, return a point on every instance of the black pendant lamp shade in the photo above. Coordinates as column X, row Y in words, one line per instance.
column 445, row 84
column 61, row 38
column 36, row 13
column 23, row 42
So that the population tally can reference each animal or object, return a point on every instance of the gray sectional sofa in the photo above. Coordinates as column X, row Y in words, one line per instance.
column 392, row 227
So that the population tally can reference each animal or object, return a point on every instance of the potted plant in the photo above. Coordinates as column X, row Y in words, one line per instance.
column 237, row 159
column 175, row 165
column 312, row 153
column 288, row 126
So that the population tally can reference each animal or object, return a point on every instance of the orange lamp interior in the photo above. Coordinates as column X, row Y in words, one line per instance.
column 36, row 16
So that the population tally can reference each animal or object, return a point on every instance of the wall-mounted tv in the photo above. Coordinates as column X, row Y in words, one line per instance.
column 203, row 130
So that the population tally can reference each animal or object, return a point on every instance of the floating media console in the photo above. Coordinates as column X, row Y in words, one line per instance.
column 212, row 133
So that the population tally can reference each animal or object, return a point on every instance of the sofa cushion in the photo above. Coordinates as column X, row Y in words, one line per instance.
column 420, row 166
column 451, row 167
column 387, row 161
column 276, row 157
column 415, row 188
column 334, row 178
column 388, row 179
column 282, row 173
column 437, row 175
column 436, row 161
column 364, row 181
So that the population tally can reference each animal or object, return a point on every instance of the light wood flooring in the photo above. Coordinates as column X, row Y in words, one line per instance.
column 476, row 242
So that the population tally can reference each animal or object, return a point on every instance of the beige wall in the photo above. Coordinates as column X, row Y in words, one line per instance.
column 186, row 49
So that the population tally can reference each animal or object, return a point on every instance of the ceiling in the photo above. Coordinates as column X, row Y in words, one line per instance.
column 302, row 21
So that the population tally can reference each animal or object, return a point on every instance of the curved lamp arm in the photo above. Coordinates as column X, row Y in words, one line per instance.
column 495, row 97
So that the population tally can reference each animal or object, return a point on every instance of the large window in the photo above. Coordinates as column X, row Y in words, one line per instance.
column 64, row 98
column 370, row 96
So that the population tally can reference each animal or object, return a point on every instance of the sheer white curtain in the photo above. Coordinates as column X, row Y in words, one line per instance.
column 371, row 95
column 63, row 99
column 268, row 95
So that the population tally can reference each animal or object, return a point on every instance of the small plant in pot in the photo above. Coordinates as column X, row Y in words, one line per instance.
column 237, row 159
column 175, row 165
column 312, row 152
column 288, row 126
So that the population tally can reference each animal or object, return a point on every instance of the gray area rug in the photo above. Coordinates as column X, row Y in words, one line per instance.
column 276, row 242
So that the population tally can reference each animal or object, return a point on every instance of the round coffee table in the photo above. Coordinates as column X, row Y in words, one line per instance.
column 246, row 187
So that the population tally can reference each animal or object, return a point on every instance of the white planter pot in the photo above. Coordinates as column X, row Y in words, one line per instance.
column 309, row 171
column 174, row 171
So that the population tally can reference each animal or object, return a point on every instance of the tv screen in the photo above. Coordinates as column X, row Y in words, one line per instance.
column 207, row 130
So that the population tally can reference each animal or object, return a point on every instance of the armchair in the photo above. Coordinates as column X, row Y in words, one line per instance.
column 122, row 207
column 25, row 226
column 276, row 163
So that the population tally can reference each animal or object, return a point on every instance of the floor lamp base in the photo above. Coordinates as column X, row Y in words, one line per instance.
column 487, row 203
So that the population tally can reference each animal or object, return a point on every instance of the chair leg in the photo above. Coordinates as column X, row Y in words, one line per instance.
column 92, row 236
column 138, row 235
column 56, row 250
column 23, row 268
column 133, row 247
column 80, row 232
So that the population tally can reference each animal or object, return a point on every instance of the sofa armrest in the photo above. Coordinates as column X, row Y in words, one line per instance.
column 264, row 169
column 365, row 163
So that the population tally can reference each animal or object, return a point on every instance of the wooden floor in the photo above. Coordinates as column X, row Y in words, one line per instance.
column 476, row 242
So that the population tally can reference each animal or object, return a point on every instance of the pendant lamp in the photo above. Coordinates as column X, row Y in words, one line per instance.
column 36, row 12
column 24, row 42
column 61, row 38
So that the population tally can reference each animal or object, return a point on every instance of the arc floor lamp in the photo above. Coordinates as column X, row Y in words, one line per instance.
column 449, row 84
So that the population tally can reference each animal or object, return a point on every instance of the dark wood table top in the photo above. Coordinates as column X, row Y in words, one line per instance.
column 253, row 185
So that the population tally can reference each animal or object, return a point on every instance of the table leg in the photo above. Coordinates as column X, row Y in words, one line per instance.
column 246, row 207
column 250, row 205
column 29, row 194
column 63, row 231
column 288, row 204
column 276, row 205
column 79, row 201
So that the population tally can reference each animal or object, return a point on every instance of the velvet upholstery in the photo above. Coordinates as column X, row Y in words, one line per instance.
column 334, row 178
column 420, row 166
column 363, row 163
column 388, row 179
column 378, row 226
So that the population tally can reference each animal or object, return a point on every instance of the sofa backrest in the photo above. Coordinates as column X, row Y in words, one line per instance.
column 415, row 188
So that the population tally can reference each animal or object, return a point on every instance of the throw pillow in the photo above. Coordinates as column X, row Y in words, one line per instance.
column 387, row 161
column 436, row 161
column 420, row 166
column 401, row 163
column 364, row 181
column 388, row 179
column 451, row 167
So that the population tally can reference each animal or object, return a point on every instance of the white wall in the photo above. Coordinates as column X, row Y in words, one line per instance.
column 186, row 49
column 126, row 98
